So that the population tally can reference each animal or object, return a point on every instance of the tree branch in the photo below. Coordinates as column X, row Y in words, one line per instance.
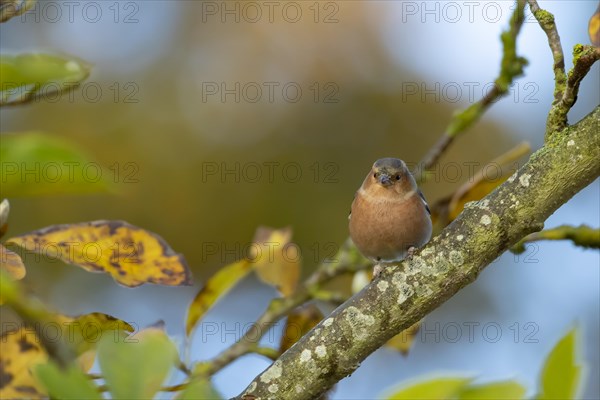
column 511, row 67
column 346, row 260
column 403, row 294
column 583, row 59
column 582, row 235
column 546, row 21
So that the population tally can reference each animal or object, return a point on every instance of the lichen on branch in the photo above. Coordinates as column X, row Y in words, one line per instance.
column 401, row 295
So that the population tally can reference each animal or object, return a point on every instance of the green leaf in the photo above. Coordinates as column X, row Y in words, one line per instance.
column 509, row 390
column 200, row 389
column 34, row 163
column 561, row 373
column 66, row 384
column 438, row 389
column 27, row 77
column 136, row 370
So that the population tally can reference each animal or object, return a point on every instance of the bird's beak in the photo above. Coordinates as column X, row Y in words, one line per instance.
column 385, row 180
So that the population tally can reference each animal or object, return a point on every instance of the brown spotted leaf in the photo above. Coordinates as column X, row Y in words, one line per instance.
column 20, row 350
column 299, row 322
column 11, row 263
column 84, row 332
column 131, row 255
column 216, row 287
column 276, row 259
column 594, row 28
column 405, row 339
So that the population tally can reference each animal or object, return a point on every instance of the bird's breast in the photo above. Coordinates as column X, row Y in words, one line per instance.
column 384, row 228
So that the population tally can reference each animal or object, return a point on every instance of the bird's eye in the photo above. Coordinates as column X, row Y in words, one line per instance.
column 397, row 177
column 375, row 175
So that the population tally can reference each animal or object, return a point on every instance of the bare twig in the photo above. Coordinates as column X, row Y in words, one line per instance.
column 270, row 353
column 566, row 86
column 347, row 260
column 582, row 235
column 583, row 59
column 546, row 21
column 511, row 67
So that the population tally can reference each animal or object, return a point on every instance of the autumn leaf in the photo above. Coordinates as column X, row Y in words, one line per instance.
column 486, row 180
column 594, row 28
column 21, row 348
column 276, row 259
column 298, row 323
column 26, row 77
column 216, row 287
column 405, row 339
column 11, row 263
column 131, row 255
column 20, row 351
column 84, row 331
column 492, row 175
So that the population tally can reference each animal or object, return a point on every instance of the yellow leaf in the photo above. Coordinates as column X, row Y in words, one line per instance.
column 405, row 339
column 131, row 255
column 594, row 28
column 85, row 361
column 217, row 286
column 299, row 322
column 276, row 259
column 11, row 263
column 84, row 331
column 20, row 350
column 486, row 180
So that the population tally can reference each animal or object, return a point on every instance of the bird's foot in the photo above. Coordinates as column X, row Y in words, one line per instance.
column 410, row 252
column 377, row 268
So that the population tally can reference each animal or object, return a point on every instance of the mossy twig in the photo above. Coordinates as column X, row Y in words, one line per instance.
column 582, row 235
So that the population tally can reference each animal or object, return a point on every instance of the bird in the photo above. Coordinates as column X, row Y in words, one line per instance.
column 389, row 217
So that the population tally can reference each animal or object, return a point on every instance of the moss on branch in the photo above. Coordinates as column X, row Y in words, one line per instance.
column 402, row 295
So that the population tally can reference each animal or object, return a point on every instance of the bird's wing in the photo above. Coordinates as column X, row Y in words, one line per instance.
column 350, row 213
column 424, row 201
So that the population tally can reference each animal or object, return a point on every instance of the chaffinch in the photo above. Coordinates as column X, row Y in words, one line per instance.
column 389, row 217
